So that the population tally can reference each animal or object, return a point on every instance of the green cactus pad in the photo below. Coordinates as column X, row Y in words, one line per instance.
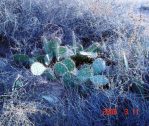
column 74, row 42
column 49, row 74
column 39, row 58
column 99, row 66
column 89, row 54
column 52, row 46
column 79, row 48
column 37, row 68
column 47, row 59
column 62, row 51
column 84, row 74
column 21, row 58
column 69, row 51
column 85, row 66
column 70, row 80
column 99, row 80
column 60, row 69
column 93, row 48
column 69, row 64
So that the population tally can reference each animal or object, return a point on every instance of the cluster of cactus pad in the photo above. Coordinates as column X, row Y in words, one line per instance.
column 65, row 68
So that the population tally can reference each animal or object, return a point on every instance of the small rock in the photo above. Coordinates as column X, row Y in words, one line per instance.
column 51, row 99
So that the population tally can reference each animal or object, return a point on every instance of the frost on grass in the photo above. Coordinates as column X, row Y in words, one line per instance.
column 124, row 39
column 25, row 21
column 17, row 115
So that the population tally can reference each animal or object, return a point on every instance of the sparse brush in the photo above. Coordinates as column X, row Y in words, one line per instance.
column 19, row 114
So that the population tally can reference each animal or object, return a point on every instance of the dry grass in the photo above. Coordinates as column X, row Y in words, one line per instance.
column 127, row 50
column 17, row 114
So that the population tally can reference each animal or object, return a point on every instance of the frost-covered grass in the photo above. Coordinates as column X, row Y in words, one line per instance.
column 123, row 34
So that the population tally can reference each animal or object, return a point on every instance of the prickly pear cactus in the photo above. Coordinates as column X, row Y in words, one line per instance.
column 85, row 66
column 85, row 73
column 49, row 74
column 79, row 48
column 74, row 42
column 99, row 66
column 37, row 68
column 62, row 51
column 39, row 58
column 99, row 80
column 21, row 58
column 93, row 48
column 52, row 46
column 70, row 52
column 47, row 59
column 74, row 66
column 89, row 54
column 69, row 64
column 60, row 69
column 70, row 80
